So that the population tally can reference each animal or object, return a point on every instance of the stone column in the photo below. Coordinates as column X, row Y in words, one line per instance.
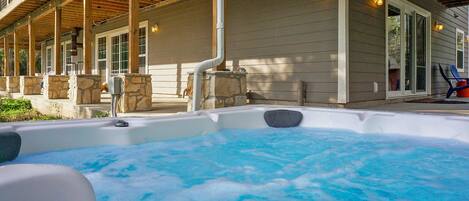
column 30, row 85
column 137, row 93
column 3, row 83
column 56, row 86
column 85, row 89
column 221, row 89
column 13, row 84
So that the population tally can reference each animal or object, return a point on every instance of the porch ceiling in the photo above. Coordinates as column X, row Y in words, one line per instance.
column 22, row 45
column 454, row 3
column 17, row 10
column 72, row 15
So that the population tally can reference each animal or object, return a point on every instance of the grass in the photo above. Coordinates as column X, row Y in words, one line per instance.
column 12, row 110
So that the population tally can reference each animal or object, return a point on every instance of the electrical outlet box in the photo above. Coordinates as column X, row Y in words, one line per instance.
column 375, row 87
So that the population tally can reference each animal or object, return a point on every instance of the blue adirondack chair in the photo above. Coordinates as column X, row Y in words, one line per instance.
column 455, row 73
column 452, row 88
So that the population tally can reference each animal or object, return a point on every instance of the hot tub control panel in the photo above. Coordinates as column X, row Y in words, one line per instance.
column 115, row 85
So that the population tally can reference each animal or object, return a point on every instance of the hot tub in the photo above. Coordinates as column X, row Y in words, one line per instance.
column 243, row 153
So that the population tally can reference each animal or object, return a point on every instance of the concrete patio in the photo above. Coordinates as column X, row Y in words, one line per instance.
column 172, row 106
column 432, row 108
column 168, row 106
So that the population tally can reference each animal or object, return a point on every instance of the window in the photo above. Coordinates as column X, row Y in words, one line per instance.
column 124, row 48
column 48, row 60
column 102, row 53
column 120, row 54
column 115, row 64
column 67, row 57
column 142, row 45
column 460, row 49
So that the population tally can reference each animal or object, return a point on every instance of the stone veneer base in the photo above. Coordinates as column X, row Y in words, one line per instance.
column 137, row 93
column 13, row 84
column 30, row 85
column 85, row 89
column 221, row 89
column 56, row 86
column 3, row 83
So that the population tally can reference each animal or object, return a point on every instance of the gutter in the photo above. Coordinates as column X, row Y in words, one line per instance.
column 208, row 64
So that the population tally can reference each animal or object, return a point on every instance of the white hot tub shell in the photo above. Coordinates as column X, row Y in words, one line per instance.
column 51, row 136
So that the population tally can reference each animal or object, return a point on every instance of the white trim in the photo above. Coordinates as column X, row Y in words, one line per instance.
column 459, row 31
column 343, row 53
column 108, row 35
column 408, row 7
column 386, row 52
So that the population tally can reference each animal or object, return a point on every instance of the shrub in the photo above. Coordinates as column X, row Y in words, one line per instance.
column 101, row 114
column 7, row 104
column 12, row 110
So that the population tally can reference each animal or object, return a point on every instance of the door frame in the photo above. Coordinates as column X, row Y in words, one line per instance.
column 407, row 7
column 64, row 56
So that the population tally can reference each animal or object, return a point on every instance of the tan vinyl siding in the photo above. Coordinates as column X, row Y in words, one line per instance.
column 367, row 51
column 279, row 42
column 276, row 41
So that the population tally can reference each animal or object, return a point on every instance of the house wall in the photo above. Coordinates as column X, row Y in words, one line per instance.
column 367, row 50
column 276, row 41
column 368, row 46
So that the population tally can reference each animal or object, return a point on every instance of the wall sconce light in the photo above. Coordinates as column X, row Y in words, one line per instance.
column 438, row 26
column 155, row 28
column 379, row 2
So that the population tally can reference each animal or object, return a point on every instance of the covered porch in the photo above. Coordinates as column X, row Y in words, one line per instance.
column 64, row 71
column 53, row 56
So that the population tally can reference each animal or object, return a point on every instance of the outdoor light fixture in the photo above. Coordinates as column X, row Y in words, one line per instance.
column 438, row 26
column 155, row 28
column 378, row 2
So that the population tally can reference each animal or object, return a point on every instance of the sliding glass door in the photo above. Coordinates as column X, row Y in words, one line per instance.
column 408, row 38
column 422, row 38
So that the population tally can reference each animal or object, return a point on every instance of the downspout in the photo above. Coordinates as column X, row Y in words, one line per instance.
column 208, row 64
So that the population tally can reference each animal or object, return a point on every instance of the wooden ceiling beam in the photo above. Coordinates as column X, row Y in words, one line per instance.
column 36, row 14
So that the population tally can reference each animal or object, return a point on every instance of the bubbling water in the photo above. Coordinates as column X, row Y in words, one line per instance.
column 274, row 164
